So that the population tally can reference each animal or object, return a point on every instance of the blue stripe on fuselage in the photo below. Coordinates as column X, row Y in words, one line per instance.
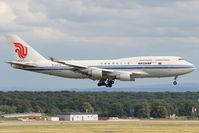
column 116, row 67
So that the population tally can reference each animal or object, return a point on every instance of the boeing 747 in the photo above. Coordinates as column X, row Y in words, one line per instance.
column 106, row 71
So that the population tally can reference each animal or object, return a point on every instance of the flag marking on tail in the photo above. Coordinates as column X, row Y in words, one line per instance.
column 21, row 50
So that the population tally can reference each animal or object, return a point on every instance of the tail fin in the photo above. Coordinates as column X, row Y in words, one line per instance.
column 22, row 51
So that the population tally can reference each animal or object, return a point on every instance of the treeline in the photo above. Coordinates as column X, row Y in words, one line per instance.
column 120, row 104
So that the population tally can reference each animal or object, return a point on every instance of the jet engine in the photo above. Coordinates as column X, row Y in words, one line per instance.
column 95, row 74
column 125, row 77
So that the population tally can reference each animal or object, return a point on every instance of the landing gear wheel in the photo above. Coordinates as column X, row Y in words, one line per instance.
column 99, row 84
column 174, row 82
column 111, row 82
column 108, row 85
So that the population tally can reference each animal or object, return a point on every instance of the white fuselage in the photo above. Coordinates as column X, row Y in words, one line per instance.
column 106, row 71
column 155, row 67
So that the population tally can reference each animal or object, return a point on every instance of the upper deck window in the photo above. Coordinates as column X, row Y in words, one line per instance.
column 180, row 59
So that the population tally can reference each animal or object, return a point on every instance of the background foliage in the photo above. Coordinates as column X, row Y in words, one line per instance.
column 144, row 104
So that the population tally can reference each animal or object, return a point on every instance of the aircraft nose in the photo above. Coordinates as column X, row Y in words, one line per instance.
column 193, row 67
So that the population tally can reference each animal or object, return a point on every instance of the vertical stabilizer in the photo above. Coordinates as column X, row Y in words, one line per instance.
column 22, row 51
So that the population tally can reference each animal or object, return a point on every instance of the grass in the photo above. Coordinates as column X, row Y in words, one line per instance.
column 142, row 126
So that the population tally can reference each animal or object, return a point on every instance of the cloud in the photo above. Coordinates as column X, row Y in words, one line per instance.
column 51, row 34
column 192, row 40
column 103, row 28
column 88, row 19
column 114, row 23
column 47, row 33
column 6, row 14
column 101, row 22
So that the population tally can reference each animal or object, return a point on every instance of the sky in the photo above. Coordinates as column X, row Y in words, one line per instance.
column 98, row 29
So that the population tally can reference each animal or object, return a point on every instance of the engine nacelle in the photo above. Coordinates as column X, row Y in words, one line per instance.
column 95, row 74
column 125, row 77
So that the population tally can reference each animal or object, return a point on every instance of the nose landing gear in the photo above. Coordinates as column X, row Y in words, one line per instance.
column 175, row 82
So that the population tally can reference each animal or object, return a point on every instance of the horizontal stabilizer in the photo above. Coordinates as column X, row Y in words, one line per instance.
column 21, row 64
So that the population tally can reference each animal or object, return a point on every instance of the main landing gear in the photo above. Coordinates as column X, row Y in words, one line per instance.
column 175, row 82
column 107, row 83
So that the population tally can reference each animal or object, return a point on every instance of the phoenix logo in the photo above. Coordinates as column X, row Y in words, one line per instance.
column 21, row 50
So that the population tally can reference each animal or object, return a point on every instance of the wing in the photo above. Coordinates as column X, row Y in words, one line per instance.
column 105, row 72
column 81, row 68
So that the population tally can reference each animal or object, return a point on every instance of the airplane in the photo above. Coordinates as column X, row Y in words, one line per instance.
column 105, row 71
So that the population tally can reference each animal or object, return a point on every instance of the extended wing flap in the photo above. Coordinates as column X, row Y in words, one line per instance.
column 132, row 73
column 103, row 70
column 139, row 73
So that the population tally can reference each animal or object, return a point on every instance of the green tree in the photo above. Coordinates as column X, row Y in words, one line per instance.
column 105, row 103
column 142, row 110
column 116, row 109
column 53, row 111
column 87, row 107
column 7, row 109
column 37, row 108
column 68, row 110
column 185, row 108
column 24, row 106
column 158, row 110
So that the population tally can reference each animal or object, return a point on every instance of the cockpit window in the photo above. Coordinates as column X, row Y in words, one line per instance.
column 180, row 59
